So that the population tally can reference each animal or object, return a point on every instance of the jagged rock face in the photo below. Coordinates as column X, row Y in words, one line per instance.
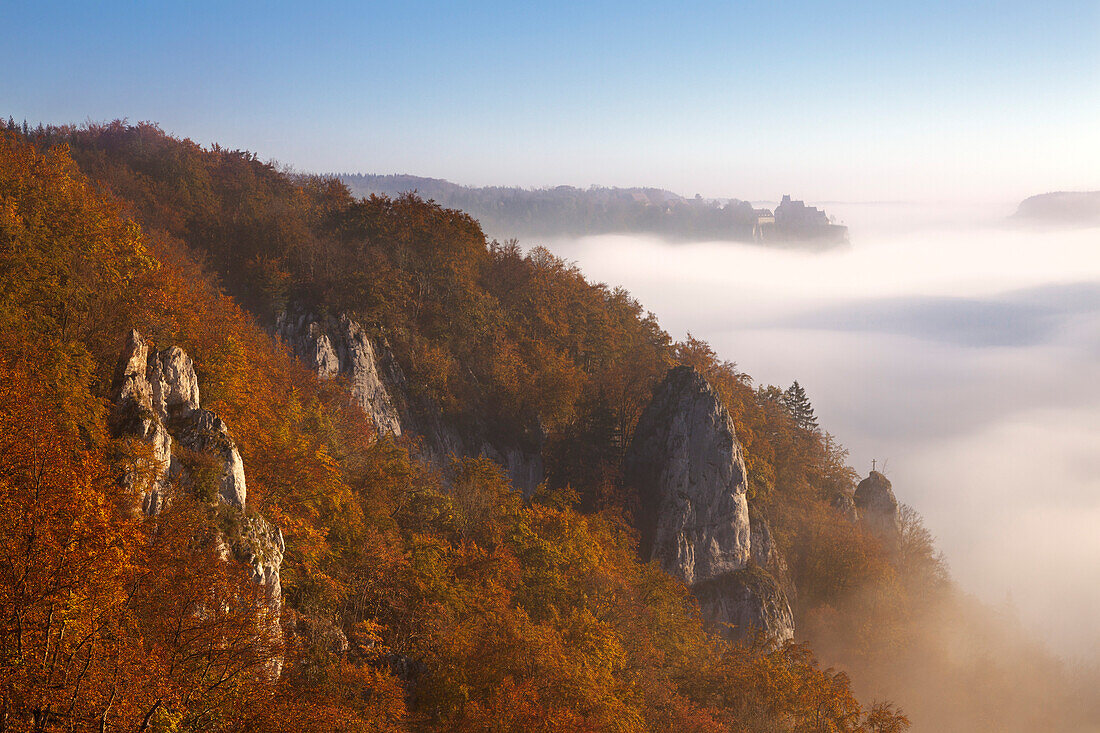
column 323, row 357
column 874, row 498
column 139, row 413
column 175, row 386
column 525, row 468
column 202, row 431
column 156, row 396
column 687, row 466
column 333, row 347
column 762, row 547
column 260, row 546
column 846, row 505
column 766, row 554
column 357, row 353
column 339, row 346
column 746, row 602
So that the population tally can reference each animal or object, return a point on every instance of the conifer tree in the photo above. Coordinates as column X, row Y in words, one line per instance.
column 798, row 405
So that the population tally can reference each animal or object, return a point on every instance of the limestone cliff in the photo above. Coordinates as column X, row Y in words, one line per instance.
column 746, row 602
column 845, row 503
column 690, row 476
column 137, row 414
column 765, row 553
column 686, row 464
column 341, row 347
column 877, row 506
column 156, row 396
column 156, row 400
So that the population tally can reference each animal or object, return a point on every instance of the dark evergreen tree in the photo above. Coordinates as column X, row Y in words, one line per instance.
column 798, row 405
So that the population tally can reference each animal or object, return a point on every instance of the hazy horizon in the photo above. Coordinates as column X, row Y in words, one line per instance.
column 989, row 203
column 942, row 101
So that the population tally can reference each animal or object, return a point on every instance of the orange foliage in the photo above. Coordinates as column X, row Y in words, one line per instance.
column 413, row 600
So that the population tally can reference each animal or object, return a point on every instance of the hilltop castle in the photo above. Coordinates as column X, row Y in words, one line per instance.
column 794, row 221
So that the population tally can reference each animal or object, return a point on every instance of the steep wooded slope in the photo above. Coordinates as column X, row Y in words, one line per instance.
column 426, row 606
column 407, row 605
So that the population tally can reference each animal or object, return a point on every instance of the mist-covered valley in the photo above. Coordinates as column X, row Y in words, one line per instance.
column 641, row 367
column 486, row 490
column 956, row 350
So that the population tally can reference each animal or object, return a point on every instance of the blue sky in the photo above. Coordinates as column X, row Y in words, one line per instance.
column 863, row 100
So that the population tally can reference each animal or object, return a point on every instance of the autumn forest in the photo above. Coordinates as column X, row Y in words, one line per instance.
column 417, row 592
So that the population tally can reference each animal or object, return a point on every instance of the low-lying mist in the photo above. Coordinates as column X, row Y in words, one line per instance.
column 959, row 353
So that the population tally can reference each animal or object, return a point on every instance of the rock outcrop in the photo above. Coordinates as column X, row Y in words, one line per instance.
column 690, row 476
column 203, row 433
column 341, row 347
column 845, row 503
column 156, row 400
column 746, row 602
column 138, row 414
column 156, row 397
column 687, row 466
column 524, row 466
column 762, row 547
column 765, row 553
column 259, row 545
column 877, row 506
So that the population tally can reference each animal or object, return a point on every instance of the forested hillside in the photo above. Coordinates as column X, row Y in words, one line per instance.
column 568, row 211
column 565, row 211
column 415, row 596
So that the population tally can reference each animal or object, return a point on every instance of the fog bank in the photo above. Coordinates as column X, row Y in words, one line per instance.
column 959, row 351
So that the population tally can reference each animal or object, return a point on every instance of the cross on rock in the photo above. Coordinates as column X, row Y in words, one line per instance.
column 873, row 464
